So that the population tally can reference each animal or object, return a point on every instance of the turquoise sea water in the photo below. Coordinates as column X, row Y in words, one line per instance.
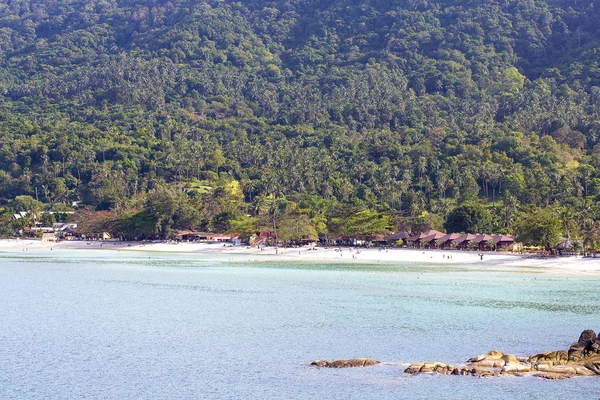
column 122, row 325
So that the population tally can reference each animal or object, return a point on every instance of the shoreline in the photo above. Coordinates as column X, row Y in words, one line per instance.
column 348, row 255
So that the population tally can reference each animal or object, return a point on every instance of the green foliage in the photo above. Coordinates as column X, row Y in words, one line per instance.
column 391, row 106
column 366, row 223
column 28, row 204
column 243, row 224
column 166, row 209
column 540, row 227
column 469, row 218
column 295, row 227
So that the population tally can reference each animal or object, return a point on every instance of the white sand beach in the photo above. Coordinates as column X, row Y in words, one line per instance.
column 319, row 253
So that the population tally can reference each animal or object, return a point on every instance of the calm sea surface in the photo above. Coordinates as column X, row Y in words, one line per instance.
column 121, row 325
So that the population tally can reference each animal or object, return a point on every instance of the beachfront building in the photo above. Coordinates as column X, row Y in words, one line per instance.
column 448, row 241
column 504, row 242
column 397, row 238
column 425, row 239
column 49, row 236
column 464, row 241
column 193, row 236
column 484, row 242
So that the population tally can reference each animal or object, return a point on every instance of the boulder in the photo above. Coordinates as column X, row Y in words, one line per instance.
column 475, row 371
column 583, row 347
column 582, row 359
column 588, row 336
column 354, row 362
column 493, row 359
column 551, row 375
column 551, row 358
column 513, row 366
column 444, row 369
column 429, row 368
column 482, row 372
column 320, row 363
column 594, row 367
column 568, row 369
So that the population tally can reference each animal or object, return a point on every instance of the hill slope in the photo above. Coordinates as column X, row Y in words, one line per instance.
column 400, row 104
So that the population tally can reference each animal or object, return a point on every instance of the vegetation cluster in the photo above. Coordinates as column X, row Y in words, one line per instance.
column 335, row 116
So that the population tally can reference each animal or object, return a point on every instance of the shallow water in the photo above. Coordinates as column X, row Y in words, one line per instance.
column 107, row 324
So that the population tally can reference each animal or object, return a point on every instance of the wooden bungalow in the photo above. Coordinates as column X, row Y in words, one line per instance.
column 433, row 239
column 484, row 242
column 448, row 241
column 398, row 237
column 309, row 240
column 378, row 239
column 425, row 239
column 463, row 241
column 504, row 242
column 193, row 236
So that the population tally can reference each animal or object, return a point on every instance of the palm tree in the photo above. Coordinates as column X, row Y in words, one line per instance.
column 566, row 214
column 591, row 235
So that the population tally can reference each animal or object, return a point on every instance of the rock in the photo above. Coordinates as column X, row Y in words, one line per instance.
column 482, row 373
column 355, row 362
column 516, row 368
column 551, row 358
column 583, row 347
column 444, row 369
column 513, row 366
column 594, row 367
column 551, row 375
column 475, row 371
column 510, row 359
column 429, row 368
column 414, row 368
column 320, row 363
column 582, row 359
column 493, row 359
column 568, row 369
column 588, row 336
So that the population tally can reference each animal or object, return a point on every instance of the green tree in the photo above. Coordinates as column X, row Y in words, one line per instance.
column 295, row 227
column 366, row 223
column 169, row 208
column 31, row 206
column 591, row 236
column 217, row 159
column 472, row 218
column 539, row 227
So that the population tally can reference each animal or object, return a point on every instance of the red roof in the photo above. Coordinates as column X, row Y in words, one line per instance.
column 449, row 237
column 503, row 238
column 425, row 235
column 398, row 236
column 483, row 237
column 468, row 237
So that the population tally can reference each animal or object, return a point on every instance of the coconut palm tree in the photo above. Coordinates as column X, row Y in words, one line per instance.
column 566, row 214
column 591, row 236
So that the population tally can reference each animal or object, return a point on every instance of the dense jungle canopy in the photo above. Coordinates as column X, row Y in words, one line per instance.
column 320, row 109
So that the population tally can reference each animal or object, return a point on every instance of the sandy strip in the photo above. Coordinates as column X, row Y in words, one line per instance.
column 571, row 264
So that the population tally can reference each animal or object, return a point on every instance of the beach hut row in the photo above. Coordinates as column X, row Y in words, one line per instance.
column 433, row 239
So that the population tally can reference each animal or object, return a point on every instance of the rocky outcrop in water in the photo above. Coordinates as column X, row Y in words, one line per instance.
column 354, row 362
column 581, row 359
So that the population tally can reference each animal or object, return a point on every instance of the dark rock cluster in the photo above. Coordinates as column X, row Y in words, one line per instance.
column 581, row 359
column 354, row 362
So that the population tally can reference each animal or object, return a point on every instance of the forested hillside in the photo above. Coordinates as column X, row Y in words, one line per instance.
column 410, row 108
